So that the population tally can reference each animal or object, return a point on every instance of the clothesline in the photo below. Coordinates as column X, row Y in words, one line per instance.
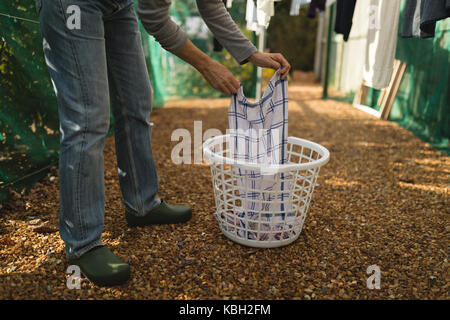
column 18, row 18
column 420, row 19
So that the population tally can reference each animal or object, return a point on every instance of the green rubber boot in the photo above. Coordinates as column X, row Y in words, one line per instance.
column 162, row 214
column 102, row 267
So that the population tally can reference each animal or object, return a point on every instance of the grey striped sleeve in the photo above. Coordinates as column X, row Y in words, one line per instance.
column 154, row 15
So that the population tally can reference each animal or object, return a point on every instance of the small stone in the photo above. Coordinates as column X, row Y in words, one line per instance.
column 34, row 221
column 431, row 281
column 11, row 269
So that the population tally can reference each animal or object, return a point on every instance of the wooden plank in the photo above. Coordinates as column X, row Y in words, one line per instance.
column 368, row 110
column 382, row 101
column 392, row 90
column 381, row 97
column 357, row 97
column 387, row 95
column 361, row 95
column 364, row 94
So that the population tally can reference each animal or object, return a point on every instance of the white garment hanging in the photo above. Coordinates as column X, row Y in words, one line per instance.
column 250, row 16
column 296, row 5
column 381, row 42
column 258, row 16
column 265, row 10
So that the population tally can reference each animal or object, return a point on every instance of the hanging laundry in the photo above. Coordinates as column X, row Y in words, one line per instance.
column 381, row 42
column 229, row 3
column 315, row 7
column 250, row 16
column 265, row 10
column 420, row 17
column 344, row 17
column 296, row 5
column 259, row 130
column 258, row 15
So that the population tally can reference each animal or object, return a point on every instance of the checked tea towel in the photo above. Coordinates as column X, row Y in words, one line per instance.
column 259, row 131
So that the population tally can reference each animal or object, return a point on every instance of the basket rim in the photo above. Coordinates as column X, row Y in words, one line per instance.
column 212, row 157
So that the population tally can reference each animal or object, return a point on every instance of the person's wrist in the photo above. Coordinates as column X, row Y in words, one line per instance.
column 253, row 57
column 204, row 63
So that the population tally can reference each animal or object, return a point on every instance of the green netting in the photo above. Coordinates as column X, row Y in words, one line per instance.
column 28, row 110
column 29, row 128
column 422, row 104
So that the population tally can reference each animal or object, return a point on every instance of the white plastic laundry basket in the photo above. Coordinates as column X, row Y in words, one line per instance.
column 263, row 205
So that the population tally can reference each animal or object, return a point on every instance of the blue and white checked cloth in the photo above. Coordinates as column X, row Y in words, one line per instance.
column 259, row 130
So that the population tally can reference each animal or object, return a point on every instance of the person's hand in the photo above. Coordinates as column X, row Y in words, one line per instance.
column 271, row 60
column 219, row 77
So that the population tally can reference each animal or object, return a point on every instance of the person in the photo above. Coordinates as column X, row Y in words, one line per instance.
column 95, row 58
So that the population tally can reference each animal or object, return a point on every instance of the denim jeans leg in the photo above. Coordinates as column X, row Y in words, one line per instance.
column 131, row 98
column 76, row 60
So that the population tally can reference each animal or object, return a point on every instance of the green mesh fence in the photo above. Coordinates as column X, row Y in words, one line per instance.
column 29, row 127
column 422, row 104
column 29, row 134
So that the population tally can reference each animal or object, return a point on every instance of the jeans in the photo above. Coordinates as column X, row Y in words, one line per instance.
column 96, row 62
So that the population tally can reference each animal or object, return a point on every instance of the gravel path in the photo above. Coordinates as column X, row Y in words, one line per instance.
column 383, row 199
